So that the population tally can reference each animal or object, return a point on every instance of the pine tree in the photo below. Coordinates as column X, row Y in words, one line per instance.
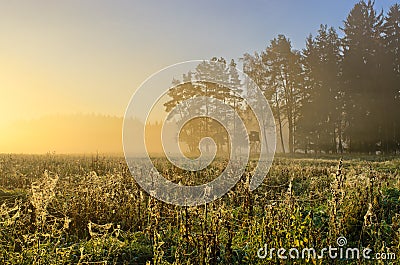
column 362, row 46
column 391, row 72
column 214, row 80
column 284, row 75
column 320, row 116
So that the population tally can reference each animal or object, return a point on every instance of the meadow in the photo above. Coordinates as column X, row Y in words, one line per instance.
column 59, row 209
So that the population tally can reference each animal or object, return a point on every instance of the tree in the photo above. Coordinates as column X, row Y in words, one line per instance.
column 362, row 87
column 284, row 71
column 214, row 80
column 277, row 71
column 391, row 72
column 255, row 68
column 320, row 122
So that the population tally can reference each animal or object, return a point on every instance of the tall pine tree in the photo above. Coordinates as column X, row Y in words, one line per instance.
column 362, row 46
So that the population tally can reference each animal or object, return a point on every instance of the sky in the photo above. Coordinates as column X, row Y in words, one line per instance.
column 69, row 57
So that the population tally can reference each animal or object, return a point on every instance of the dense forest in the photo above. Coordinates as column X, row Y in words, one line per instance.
column 339, row 94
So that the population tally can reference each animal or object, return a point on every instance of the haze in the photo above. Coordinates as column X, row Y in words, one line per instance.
column 86, row 58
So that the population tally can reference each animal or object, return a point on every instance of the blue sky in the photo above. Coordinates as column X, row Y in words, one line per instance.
column 90, row 56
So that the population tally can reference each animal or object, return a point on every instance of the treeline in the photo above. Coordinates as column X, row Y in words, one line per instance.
column 339, row 93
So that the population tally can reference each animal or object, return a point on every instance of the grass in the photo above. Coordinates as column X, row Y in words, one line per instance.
column 81, row 210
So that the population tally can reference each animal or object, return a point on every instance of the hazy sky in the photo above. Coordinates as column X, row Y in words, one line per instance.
column 89, row 56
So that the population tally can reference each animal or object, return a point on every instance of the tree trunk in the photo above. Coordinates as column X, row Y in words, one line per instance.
column 278, row 110
column 290, row 121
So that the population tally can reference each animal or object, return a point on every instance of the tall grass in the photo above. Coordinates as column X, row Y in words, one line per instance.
column 77, row 210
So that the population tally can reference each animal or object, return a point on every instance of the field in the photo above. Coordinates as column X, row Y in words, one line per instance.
column 59, row 209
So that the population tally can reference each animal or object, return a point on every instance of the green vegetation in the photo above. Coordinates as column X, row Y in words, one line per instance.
column 68, row 210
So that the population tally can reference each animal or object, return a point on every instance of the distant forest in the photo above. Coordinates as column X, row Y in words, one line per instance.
column 338, row 94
